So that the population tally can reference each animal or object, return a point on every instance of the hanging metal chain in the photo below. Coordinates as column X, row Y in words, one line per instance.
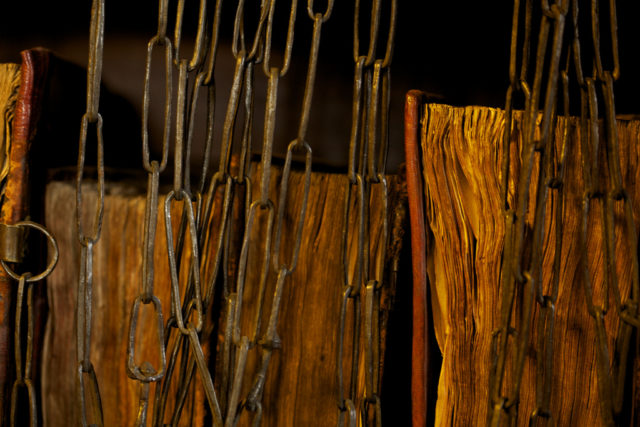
column 270, row 340
column 367, row 159
column 187, row 315
column 196, row 297
column 243, row 342
column 27, row 281
column 23, row 372
column 236, row 343
column 243, row 81
column 145, row 372
column 88, row 393
column 607, row 186
column 247, row 56
column 197, row 229
column 523, row 275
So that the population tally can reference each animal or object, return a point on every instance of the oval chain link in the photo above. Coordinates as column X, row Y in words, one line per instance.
column 88, row 389
column 24, row 362
column 145, row 372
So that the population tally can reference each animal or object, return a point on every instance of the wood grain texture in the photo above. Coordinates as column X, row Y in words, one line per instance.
column 461, row 164
column 301, row 386
column 117, row 282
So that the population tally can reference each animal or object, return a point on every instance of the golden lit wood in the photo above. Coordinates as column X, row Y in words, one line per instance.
column 461, row 162
column 301, row 382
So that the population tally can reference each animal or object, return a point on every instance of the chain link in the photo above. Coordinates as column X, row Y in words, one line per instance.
column 611, row 376
column 146, row 373
column 189, row 307
column 522, row 274
column 235, row 342
column 89, row 397
column 181, row 310
column 23, row 365
column 23, row 372
column 366, row 180
column 199, row 50
column 208, row 213
column 269, row 341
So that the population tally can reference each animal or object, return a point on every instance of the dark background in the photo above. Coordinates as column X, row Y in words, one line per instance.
column 457, row 50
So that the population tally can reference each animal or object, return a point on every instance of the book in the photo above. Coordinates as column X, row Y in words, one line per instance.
column 301, row 384
column 454, row 190
column 9, row 87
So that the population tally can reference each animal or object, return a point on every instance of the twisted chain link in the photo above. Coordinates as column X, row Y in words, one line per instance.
column 88, row 390
column 367, row 158
column 522, row 259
